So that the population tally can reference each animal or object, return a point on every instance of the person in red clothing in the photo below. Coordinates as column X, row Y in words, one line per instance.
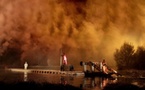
column 64, row 62
column 64, row 59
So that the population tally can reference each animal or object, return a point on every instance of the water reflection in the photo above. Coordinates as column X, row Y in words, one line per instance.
column 66, row 80
column 25, row 76
column 97, row 82
column 82, row 82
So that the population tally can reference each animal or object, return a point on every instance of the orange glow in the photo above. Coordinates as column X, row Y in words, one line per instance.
column 86, row 30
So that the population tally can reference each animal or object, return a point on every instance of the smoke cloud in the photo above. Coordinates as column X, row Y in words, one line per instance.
column 86, row 30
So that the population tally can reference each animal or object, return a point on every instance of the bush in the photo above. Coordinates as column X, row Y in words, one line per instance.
column 140, row 58
column 127, row 58
column 124, row 56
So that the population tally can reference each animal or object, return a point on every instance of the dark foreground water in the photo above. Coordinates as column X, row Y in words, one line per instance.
column 129, row 80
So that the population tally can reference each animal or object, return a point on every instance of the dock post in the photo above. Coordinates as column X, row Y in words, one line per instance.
column 85, row 67
column 92, row 68
column 101, row 66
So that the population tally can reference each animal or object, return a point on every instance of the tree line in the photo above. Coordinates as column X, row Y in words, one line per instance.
column 128, row 58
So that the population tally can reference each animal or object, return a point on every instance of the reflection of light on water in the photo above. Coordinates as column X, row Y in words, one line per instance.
column 104, row 82
column 93, row 83
column 63, row 81
column 78, row 81
column 25, row 77
column 66, row 80
column 137, row 83
column 97, row 83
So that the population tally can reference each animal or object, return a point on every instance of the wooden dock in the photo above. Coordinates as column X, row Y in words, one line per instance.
column 47, row 71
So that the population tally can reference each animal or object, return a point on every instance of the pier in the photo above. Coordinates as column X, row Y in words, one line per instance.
column 47, row 71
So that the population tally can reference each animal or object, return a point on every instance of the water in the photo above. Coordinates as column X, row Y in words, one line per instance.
column 97, row 83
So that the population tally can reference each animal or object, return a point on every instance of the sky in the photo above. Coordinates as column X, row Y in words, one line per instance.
column 86, row 30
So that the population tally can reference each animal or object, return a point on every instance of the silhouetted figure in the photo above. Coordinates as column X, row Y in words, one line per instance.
column 71, row 68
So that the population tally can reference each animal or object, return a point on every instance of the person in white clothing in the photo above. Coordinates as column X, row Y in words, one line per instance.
column 25, row 65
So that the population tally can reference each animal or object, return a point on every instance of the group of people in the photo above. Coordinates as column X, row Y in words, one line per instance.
column 105, row 69
column 65, row 63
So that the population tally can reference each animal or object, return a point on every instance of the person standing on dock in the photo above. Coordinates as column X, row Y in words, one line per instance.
column 64, row 59
column 25, row 65
column 64, row 62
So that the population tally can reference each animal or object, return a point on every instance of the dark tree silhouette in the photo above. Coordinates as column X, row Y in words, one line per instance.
column 124, row 56
column 140, row 58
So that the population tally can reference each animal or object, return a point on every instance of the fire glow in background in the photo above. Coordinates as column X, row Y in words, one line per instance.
column 36, row 30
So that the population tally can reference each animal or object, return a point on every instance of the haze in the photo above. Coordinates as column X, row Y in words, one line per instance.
column 86, row 30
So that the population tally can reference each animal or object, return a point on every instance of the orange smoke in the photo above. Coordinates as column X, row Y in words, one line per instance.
column 84, row 29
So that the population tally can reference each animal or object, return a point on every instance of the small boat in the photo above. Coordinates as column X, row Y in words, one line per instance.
column 95, row 70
